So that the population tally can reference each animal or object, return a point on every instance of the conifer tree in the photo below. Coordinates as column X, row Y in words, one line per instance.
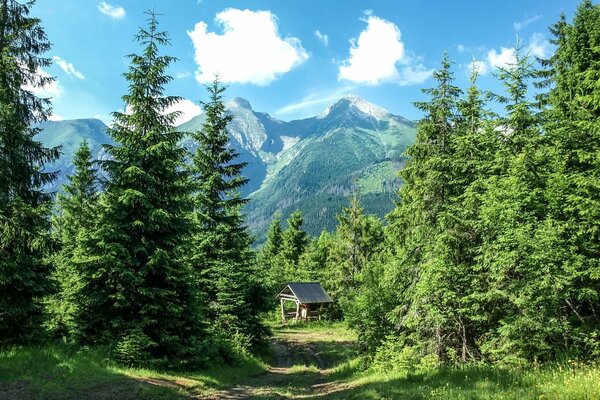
column 268, row 256
column 523, row 279
column 138, row 293
column 294, row 242
column 314, row 263
column 418, row 224
column 77, row 212
column 224, row 259
column 356, row 240
column 24, row 205
column 573, row 127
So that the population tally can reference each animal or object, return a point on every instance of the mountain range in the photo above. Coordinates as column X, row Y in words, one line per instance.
column 312, row 164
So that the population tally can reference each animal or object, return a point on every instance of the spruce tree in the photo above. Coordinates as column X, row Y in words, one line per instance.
column 77, row 212
column 572, row 125
column 522, row 276
column 24, row 205
column 418, row 224
column 356, row 240
column 294, row 242
column 268, row 256
column 138, row 293
column 224, row 258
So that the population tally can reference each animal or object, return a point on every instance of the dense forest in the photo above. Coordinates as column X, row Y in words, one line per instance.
column 491, row 254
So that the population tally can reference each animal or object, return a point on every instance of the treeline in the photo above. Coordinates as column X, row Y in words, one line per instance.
column 493, row 250
column 149, row 258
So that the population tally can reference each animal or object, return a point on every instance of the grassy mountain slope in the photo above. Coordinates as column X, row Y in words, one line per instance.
column 323, row 171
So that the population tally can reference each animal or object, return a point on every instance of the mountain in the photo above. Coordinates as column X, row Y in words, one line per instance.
column 69, row 134
column 352, row 146
column 313, row 164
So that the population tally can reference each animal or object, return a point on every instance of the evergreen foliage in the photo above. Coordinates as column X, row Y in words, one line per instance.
column 223, row 259
column 138, row 293
column 492, row 253
column 77, row 213
column 357, row 239
column 24, row 206
column 293, row 244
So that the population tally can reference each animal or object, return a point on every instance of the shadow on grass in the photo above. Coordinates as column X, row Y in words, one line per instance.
column 476, row 382
column 61, row 372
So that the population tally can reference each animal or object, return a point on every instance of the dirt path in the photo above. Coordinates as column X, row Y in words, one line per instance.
column 298, row 370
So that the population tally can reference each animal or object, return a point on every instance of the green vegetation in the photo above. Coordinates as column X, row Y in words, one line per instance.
column 483, row 283
column 24, row 206
column 57, row 372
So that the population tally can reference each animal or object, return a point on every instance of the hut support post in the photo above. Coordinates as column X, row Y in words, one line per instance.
column 282, row 310
column 297, row 311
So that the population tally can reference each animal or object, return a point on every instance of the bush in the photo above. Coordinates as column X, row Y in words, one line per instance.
column 134, row 348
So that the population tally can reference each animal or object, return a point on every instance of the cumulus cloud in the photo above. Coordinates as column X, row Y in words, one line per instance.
column 187, row 110
column 68, row 67
column 250, row 50
column 323, row 38
column 519, row 25
column 480, row 67
column 379, row 55
column 539, row 46
column 115, row 12
column 505, row 58
column 52, row 89
column 56, row 117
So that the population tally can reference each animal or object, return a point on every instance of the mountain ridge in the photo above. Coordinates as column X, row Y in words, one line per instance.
column 311, row 164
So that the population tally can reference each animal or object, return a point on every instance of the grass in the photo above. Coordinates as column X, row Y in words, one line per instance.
column 62, row 372
column 475, row 382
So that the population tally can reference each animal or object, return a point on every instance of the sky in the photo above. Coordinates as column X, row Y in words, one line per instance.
column 289, row 58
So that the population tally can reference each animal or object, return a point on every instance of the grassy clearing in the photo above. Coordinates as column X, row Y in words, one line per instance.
column 573, row 382
column 60, row 372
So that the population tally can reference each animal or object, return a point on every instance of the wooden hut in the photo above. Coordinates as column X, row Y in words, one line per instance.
column 308, row 297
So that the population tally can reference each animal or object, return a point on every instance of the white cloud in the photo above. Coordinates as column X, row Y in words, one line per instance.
column 56, row 117
column 314, row 102
column 505, row 58
column 519, row 25
column 52, row 89
column 461, row 48
column 379, row 56
column 250, row 50
column 323, row 38
column 480, row 67
column 539, row 46
column 187, row 109
column 115, row 12
column 183, row 75
column 68, row 67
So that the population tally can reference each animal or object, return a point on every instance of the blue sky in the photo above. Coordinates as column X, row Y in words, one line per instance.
column 289, row 58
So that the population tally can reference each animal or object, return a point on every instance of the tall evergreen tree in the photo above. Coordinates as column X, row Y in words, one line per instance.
column 24, row 206
column 573, row 127
column 77, row 212
column 294, row 242
column 138, row 291
column 418, row 224
column 523, row 278
column 357, row 239
column 224, row 259
column 268, row 256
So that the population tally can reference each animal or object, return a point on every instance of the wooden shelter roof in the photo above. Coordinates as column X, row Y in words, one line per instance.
column 306, row 292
